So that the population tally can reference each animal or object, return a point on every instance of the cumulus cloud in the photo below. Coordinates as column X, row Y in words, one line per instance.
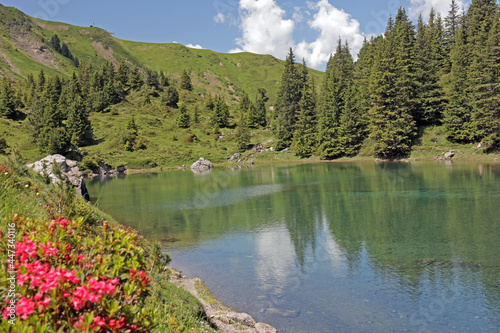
column 424, row 7
column 197, row 46
column 264, row 28
column 332, row 24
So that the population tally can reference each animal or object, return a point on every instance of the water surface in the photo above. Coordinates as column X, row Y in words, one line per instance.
column 333, row 247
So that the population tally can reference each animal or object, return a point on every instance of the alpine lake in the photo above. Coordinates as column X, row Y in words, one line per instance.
column 330, row 247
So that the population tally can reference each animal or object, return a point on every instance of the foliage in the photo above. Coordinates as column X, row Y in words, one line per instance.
column 183, row 119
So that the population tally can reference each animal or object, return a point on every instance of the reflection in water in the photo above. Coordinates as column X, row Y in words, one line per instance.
column 334, row 247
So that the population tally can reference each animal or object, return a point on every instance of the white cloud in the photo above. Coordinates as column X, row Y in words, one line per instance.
column 332, row 23
column 220, row 18
column 424, row 7
column 264, row 28
column 197, row 46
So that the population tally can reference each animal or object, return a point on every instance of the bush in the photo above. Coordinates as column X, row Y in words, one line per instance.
column 74, row 276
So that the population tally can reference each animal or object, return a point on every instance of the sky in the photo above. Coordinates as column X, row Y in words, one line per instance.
column 312, row 28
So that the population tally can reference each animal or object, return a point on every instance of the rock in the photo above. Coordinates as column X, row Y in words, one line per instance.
column 264, row 328
column 121, row 169
column 202, row 165
column 66, row 171
column 241, row 318
column 235, row 157
column 449, row 154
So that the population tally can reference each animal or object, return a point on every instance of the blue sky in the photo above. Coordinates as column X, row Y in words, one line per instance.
column 312, row 27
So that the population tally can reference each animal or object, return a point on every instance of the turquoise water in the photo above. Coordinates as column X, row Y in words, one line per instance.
column 332, row 247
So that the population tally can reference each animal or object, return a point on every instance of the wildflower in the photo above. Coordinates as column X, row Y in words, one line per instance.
column 24, row 308
column 48, row 250
column 46, row 301
column 27, row 185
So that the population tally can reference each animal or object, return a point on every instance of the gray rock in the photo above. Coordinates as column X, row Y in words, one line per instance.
column 121, row 169
column 449, row 154
column 59, row 169
column 202, row 165
column 235, row 157
column 241, row 318
column 264, row 328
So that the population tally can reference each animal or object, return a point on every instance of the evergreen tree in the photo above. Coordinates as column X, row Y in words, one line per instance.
column 171, row 96
column 196, row 114
column 183, row 119
column 486, row 92
column 287, row 103
column 134, row 80
column 7, row 99
column 452, row 24
column 259, row 118
column 3, row 146
column 305, row 130
column 55, row 43
column 339, row 78
column 458, row 111
column 242, row 133
column 122, row 73
column 430, row 56
column 391, row 122
column 78, row 125
column 186, row 81
column 220, row 116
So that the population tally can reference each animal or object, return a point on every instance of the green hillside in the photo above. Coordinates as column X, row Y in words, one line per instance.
column 25, row 48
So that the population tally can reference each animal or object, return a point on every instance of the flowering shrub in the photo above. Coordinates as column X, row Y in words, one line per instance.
column 75, row 277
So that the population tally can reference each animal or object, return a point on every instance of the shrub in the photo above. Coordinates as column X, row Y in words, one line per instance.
column 74, row 276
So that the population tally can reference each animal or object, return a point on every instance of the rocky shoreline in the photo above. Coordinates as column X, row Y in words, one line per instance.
column 220, row 315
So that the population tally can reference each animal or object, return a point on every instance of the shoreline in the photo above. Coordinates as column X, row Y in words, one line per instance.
column 225, row 318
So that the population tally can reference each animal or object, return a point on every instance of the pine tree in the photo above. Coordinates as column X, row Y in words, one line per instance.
column 391, row 123
column 7, row 99
column 452, row 24
column 134, row 80
column 242, row 133
column 287, row 103
column 305, row 134
column 55, row 43
column 458, row 111
column 339, row 78
column 260, row 118
column 486, row 92
column 79, row 128
column 171, row 96
column 122, row 73
column 430, row 61
column 220, row 115
column 186, row 81
column 183, row 119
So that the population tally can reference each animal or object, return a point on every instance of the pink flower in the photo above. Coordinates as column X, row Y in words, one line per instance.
column 77, row 303
column 46, row 302
column 24, row 308
column 48, row 249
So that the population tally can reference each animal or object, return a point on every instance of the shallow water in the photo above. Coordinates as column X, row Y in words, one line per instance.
column 332, row 247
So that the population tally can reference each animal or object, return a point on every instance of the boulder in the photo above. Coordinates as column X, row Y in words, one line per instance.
column 264, row 328
column 59, row 169
column 449, row 154
column 202, row 165
column 235, row 157
column 121, row 169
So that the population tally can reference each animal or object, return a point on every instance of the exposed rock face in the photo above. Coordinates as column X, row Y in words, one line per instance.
column 59, row 169
column 449, row 154
column 202, row 165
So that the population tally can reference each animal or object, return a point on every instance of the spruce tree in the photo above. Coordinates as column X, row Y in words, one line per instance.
column 220, row 115
column 287, row 103
column 134, row 79
column 79, row 128
column 186, row 81
column 242, row 133
column 183, row 119
column 339, row 78
column 391, row 122
column 260, row 118
column 429, row 66
column 7, row 99
column 305, row 133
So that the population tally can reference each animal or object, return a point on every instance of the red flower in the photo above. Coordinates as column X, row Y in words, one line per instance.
column 25, row 307
column 48, row 249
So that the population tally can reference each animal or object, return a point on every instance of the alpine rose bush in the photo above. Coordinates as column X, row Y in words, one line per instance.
column 76, row 277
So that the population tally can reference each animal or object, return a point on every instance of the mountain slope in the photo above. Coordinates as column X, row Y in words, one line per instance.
column 25, row 48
